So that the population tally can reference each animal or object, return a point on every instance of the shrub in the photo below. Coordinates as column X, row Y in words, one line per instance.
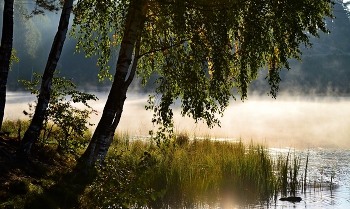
column 64, row 123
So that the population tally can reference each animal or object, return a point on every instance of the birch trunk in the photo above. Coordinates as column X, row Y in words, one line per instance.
column 104, row 132
column 35, row 126
column 5, row 53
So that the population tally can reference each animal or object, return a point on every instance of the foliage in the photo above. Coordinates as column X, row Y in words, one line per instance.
column 14, row 58
column 125, row 182
column 104, row 32
column 316, row 76
column 64, row 122
column 203, row 51
column 42, row 5
column 32, row 37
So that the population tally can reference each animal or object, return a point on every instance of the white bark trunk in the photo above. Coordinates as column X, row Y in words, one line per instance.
column 35, row 126
column 113, row 109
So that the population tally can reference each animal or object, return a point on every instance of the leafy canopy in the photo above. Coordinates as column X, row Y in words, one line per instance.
column 201, row 50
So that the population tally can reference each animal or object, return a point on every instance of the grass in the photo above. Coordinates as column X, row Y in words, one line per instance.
column 184, row 174
column 138, row 173
column 287, row 168
column 16, row 128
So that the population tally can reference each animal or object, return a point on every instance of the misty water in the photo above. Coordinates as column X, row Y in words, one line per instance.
column 319, row 126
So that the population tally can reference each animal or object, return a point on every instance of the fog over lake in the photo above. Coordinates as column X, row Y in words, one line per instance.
column 299, row 122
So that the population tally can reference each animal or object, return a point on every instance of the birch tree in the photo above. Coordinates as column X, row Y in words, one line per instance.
column 33, row 131
column 7, row 40
column 202, row 51
column 5, row 52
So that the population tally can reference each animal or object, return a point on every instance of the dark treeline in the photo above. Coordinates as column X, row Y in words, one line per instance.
column 324, row 69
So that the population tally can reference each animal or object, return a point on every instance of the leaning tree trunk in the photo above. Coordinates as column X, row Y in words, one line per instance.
column 5, row 53
column 113, row 109
column 36, row 124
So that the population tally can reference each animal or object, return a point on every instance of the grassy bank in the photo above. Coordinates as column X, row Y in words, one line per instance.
column 139, row 173
column 187, row 173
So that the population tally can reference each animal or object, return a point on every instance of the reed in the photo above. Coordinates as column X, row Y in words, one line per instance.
column 187, row 172
column 305, row 171
column 287, row 169
column 294, row 172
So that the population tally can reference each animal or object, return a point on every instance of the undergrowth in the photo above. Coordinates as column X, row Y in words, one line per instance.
column 141, row 173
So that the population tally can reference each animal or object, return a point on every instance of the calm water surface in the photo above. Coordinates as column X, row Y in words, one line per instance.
column 302, row 123
column 323, row 164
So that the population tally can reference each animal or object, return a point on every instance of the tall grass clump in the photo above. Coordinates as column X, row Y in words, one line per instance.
column 52, row 138
column 287, row 168
column 139, row 173
column 206, row 170
column 124, row 181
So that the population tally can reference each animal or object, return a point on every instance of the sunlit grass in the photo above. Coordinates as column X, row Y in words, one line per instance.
column 187, row 172
column 15, row 127
column 180, row 174
column 51, row 137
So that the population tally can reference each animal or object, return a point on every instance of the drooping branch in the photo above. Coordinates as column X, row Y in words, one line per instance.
column 162, row 49
column 44, row 5
column 205, row 7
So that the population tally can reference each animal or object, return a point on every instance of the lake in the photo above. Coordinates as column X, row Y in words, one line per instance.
column 318, row 125
column 323, row 164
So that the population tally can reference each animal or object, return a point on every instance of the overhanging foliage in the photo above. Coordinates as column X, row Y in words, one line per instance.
column 203, row 51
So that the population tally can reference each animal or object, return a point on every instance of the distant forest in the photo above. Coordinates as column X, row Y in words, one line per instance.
column 325, row 68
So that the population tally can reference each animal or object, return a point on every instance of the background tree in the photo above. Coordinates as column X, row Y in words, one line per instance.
column 7, row 39
column 31, row 135
column 5, row 52
column 201, row 50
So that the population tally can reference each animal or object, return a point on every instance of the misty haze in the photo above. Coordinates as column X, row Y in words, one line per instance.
column 308, row 123
column 313, row 114
column 288, row 121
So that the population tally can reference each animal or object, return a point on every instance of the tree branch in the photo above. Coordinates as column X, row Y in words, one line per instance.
column 162, row 49
column 204, row 7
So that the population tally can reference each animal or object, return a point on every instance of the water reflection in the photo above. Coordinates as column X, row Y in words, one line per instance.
column 323, row 163
column 319, row 194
